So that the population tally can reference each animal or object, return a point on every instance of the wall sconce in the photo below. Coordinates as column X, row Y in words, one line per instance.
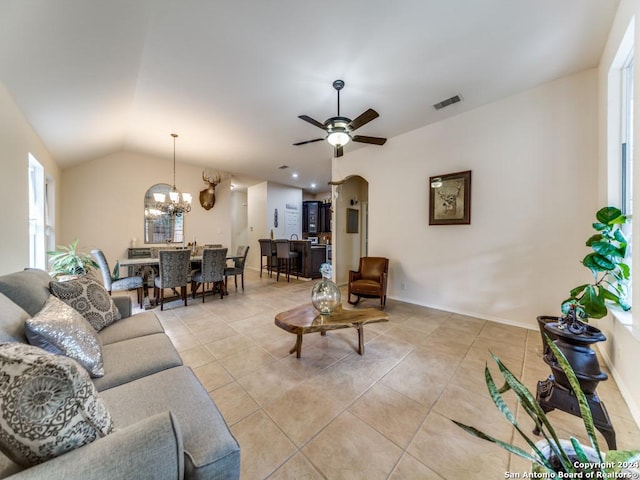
column 354, row 201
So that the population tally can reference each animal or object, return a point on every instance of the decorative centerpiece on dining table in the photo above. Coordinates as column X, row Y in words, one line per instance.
column 325, row 295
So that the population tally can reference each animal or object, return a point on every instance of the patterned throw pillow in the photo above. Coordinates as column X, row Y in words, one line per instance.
column 59, row 329
column 48, row 405
column 90, row 298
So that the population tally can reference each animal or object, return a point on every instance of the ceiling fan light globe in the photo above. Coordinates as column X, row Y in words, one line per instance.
column 338, row 138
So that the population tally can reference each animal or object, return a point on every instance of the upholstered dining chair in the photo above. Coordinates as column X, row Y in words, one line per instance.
column 114, row 283
column 285, row 258
column 238, row 266
column 212, row 271
column 370, row 281
column 267, row 249
column 173, row 272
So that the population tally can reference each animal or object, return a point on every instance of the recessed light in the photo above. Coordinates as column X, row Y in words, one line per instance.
column 294, row 175
column 313, row 185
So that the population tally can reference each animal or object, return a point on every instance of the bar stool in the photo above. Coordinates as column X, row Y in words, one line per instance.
column 284, row 256
column 267, row 249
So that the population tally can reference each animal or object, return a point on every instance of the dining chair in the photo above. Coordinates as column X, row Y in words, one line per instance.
column 238, row 266
column 174, row 266
column 267, row 249
column 285, row 257
column 114, row 282
column 369, row 281
column 212, row 271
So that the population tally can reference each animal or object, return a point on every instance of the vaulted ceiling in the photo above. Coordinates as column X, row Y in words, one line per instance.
column 94, row 77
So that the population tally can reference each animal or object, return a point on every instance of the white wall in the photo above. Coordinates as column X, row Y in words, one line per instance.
column 239, row 220
column 262, row 200
column 622, row 349
column 17, row 140
column 103, row 202
column 534, row 163
column 257, row 220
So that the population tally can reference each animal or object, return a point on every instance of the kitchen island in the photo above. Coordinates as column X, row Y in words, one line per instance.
column 310, row 257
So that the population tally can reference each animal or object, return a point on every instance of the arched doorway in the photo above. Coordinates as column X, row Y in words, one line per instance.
column 351, row 225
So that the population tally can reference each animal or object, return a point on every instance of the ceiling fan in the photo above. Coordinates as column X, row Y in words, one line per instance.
column 339, row 128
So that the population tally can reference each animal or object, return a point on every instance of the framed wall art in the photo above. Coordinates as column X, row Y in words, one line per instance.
column 450, row 199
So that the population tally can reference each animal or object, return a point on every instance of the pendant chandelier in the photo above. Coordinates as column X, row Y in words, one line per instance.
column 177, row 203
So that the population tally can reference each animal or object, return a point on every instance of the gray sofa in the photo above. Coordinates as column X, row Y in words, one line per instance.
column 166, row 424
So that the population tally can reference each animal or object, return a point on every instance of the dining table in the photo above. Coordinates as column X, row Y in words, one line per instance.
column 152, row 263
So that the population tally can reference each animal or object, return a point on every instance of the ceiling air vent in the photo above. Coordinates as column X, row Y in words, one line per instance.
column 283, row 167
column 447, row 102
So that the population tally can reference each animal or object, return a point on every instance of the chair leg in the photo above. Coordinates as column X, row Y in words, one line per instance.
column 242, row 280
column 221, row 287
column 183, row 294
column 161, row 299
column 235, row 280
column 140, row 297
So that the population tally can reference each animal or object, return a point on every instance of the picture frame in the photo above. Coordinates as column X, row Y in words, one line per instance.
column 353, row 220
column 450, row 199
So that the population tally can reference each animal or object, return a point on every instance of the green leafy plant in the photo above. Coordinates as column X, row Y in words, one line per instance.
column 562, row 459
column 67, row 260
column 607, row 264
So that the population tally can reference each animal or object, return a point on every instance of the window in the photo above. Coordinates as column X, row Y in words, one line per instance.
column 626, row 134
column 41, row 215
column 37, row 258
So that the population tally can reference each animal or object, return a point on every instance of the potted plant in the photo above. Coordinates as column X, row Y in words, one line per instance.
column 67, row 260
column 610, row 272
column 551, row 456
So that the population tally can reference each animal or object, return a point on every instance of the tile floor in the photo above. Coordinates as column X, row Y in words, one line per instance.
column 337, row 415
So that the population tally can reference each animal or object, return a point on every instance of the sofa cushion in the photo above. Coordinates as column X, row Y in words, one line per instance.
column 135, row 358
column 89, row 298
column 138, row 325
column 48, row 405
column 28, row 288
column 210, row 449
column 61, row 330
column 12, row 319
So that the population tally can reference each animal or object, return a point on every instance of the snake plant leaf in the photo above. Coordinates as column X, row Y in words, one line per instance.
column 582, row 457
column 585, row 411
column 502, row 406
column 507, row 446
column 609, row 215
column 533, row 409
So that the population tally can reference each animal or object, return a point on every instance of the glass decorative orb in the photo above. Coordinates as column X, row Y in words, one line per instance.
column 325, row 295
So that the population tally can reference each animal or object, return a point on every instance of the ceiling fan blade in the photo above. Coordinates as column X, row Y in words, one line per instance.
column 307, row 118
column 339, row 151
column 365, row 139
column 363, row 119
column 309, row 141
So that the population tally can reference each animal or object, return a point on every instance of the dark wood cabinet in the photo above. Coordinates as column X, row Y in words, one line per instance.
column 316, row 217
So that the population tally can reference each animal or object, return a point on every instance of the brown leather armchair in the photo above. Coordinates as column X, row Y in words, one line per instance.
column 370, row 281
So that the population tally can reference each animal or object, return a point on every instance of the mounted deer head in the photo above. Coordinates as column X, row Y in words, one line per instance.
column 208, row 195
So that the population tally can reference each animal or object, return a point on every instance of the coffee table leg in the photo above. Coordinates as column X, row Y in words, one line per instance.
column 360, row 340
column 297, row 347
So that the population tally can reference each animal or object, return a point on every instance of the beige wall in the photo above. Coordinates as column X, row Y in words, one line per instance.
column 103, row 202
column 17, row 140
column 534, row 163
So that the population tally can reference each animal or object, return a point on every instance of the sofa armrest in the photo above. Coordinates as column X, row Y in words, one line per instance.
column 123, row 304
column 151, row 448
